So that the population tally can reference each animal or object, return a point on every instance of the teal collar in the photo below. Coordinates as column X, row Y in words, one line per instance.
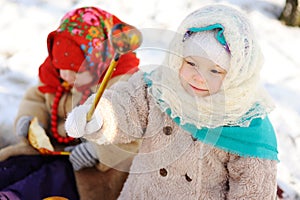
column 258, row 140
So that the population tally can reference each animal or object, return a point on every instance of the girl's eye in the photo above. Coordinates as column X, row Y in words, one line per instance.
column 215, row 71
column 190, row 63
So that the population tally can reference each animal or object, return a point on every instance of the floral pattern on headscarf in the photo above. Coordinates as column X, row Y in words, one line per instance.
column 93, row 25
column 80, row 43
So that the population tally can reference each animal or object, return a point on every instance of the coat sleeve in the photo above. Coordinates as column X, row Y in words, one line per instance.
column 124, row 110
column 252, row 178
column 34, row 104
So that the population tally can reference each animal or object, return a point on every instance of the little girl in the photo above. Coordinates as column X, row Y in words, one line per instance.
column 79, row 53
column 202, row 116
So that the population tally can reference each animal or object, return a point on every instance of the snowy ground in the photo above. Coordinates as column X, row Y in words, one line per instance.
column 24, row 26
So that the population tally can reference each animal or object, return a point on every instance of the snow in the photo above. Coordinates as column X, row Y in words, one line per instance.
column 25, row 25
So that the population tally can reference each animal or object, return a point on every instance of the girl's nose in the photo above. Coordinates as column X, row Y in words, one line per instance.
column 199, row 78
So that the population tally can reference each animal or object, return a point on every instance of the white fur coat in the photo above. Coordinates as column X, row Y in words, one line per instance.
column 171, row 164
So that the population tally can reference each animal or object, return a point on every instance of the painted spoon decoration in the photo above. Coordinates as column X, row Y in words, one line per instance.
column 124, row 38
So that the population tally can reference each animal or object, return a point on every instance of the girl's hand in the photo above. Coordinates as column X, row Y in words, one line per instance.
column 22, row 126
column 82, row 156
column 76, row 124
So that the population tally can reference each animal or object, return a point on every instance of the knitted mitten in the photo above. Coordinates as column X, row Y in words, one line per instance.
column 22, row 125
column 83, row 155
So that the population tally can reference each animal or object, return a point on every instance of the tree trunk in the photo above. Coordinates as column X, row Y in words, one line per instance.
column 291, row 13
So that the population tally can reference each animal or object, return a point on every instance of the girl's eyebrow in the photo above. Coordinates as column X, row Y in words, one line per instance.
column 190, row 58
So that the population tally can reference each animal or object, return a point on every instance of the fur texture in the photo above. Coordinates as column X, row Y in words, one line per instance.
column 170, row 163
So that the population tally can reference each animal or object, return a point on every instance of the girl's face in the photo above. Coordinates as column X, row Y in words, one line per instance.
column 200, row 76
column 81, row 79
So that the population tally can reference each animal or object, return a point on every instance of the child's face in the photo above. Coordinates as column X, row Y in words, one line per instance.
column 200, row 76
column 81, row 79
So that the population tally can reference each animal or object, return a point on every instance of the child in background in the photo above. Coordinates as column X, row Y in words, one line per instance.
column 202, row 115
column 79, row 55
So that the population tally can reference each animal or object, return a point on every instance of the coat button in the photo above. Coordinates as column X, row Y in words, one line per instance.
column 167, row 130
column 187, row 178
column 163, row 172
column 193, row 138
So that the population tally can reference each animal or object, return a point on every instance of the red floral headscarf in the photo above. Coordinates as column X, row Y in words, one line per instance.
column 81, row 43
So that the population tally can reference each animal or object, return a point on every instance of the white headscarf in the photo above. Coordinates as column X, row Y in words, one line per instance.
column 241, row 97
column 204, row 44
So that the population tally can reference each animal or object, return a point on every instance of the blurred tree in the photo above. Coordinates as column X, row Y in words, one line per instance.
column 291, row 13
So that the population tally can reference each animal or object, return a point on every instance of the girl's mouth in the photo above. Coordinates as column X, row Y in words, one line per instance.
column 198, row 89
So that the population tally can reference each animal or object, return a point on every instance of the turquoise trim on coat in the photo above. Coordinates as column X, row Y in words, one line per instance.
column 258, row 140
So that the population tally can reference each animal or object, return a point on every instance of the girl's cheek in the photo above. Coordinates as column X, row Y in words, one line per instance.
column 184, row 72
column 84, row 78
